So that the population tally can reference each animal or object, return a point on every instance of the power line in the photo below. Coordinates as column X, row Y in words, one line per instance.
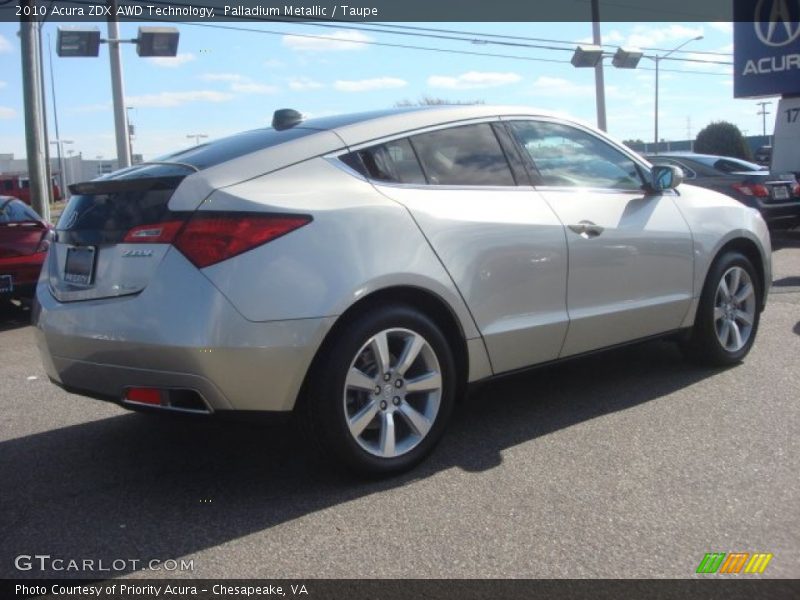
column 423, row 48
column 569, row 46
column 396, row 45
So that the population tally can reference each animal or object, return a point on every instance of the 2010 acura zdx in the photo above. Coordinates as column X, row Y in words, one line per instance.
column 362, row 269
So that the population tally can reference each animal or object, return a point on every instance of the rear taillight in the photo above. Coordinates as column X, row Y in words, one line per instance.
column 797, row 190
column 208, row 237
column 752, row 189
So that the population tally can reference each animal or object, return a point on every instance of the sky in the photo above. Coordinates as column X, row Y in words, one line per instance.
column 224, row 81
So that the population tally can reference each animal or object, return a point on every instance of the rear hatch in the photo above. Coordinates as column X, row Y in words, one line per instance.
column 108, row 238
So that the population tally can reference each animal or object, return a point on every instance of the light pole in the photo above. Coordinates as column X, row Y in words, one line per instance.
column 196, row 137
column 131, row 130
column 657, row 60
column 763, row 112
column 61, row 168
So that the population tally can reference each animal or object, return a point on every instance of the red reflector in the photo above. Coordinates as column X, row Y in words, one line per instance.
column 209, row 238
column 155, row 233
column 144, row 395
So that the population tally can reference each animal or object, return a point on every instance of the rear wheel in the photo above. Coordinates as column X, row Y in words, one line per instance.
column 380, row 397
column 728, row 315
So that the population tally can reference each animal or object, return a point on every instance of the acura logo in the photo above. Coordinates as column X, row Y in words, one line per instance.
column 777, row 22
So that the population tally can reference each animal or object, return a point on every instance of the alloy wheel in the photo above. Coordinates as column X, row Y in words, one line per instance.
column 734, row 309
column 392, row 392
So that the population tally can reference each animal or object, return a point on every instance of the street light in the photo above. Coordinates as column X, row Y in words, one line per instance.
column 150, row 41
column 657, row 60
column 591, row 56
column 196, row 137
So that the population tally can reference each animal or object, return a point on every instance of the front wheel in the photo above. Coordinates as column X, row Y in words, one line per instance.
column 728, row 314
column 380, row 397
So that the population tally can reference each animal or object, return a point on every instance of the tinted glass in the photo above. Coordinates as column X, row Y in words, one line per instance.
column 107, row 214
column 566, row 156
column 225, row 149
column 14, row 211
column 393, row 162
column 466, row 155
column 732, row 165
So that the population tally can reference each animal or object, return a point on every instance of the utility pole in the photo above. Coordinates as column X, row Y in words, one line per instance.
column 117, row 89
column 763, row 112
column 599, row 80
column 33, row 100
column 59, row 149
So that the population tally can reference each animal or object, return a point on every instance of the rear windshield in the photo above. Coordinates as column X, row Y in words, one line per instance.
column 228, row 148
column 14, row 211
column 104, row 211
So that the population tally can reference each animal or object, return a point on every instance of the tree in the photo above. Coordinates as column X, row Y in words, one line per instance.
column 432, row 101
column 724, row 139
column 636, row 144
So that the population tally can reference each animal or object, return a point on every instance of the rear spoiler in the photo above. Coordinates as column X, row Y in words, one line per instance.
column 110, row 186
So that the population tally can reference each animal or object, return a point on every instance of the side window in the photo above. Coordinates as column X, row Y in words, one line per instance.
column 464, row 155
column 566, row 156
column 393, row 162
column 8, row 185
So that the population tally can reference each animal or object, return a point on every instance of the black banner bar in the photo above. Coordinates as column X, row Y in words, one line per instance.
column 715, row 588
column 372, row 10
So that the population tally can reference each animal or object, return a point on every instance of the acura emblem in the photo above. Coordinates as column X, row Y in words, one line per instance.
column 777, row 22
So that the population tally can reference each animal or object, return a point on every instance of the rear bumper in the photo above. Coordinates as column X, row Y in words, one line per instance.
column 24, row 271
column 180, row 333
column 773, row 212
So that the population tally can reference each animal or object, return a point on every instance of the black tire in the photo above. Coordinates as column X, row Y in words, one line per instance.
column 326, row 405
column 704, row 345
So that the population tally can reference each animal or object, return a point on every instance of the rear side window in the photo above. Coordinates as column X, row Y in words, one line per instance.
column 393, row 162
column 465, row 155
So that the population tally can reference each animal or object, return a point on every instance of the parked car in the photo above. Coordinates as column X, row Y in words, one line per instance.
column 24, row 240
column 763, row 155
column 19, row 187
column 361, row 270
column 777, row 197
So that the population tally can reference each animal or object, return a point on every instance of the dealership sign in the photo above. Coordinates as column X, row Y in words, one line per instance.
column 766, row 42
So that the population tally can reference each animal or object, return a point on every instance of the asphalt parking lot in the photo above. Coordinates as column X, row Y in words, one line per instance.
column 627, row 464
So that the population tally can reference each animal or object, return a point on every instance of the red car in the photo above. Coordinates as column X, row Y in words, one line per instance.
column 24, row 240
column 20, row 187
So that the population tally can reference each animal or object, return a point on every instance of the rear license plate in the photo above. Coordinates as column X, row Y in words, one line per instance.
column 6, row 284
column 80, row 265
column 780, row 192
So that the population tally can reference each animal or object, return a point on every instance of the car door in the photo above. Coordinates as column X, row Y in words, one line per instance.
column 630, row 252
column 499, row 240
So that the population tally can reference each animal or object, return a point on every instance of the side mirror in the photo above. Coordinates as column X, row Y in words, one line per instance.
column 665, row 177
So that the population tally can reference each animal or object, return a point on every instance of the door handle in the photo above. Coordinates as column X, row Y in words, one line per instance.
column 587, row 229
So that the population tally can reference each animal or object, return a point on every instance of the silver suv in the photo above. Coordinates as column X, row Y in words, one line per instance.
column 361, row 270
